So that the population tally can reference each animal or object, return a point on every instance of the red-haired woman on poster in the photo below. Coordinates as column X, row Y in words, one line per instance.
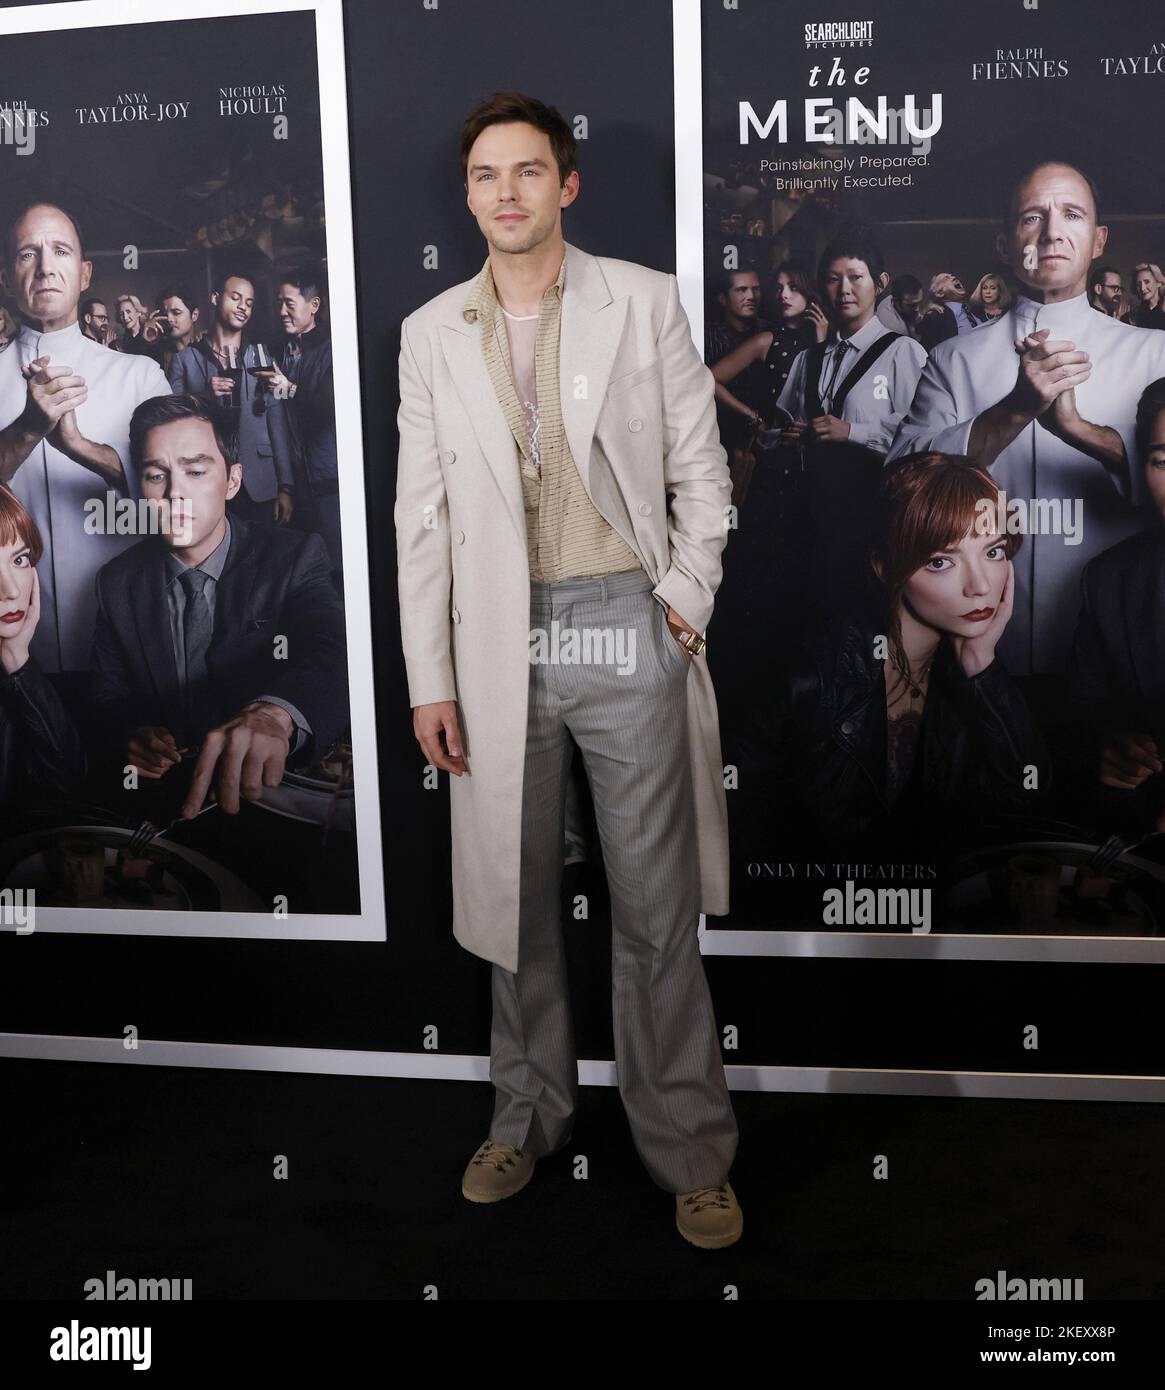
column 897, row 723
column 40, row 751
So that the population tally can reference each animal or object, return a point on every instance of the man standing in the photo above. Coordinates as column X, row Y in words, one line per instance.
column 1105, row 291
column 178, row 317
column 1046, row 397
column 739, row 297
column 302, row 375
column 217, row 369
column 547, row 406
column 67, row 403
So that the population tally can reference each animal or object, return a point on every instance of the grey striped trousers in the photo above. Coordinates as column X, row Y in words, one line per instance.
column 632, row 732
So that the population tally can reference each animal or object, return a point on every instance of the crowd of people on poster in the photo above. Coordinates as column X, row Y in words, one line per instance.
column 172, row 614
column 949, row 511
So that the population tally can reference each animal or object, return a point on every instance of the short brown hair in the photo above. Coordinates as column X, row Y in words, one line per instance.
column 508, row 107
column 165, row 410
column 17, row 526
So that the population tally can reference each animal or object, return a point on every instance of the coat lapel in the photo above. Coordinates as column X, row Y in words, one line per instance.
column 466, row 363
column 592, row 330
column 590, row 333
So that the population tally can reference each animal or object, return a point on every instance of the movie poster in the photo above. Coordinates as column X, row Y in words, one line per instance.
column 934, row 302
column 186, row 730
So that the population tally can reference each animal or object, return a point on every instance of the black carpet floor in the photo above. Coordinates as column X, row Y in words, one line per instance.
column 168, row 1173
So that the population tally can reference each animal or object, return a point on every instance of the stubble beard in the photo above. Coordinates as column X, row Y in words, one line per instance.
column 535, row 236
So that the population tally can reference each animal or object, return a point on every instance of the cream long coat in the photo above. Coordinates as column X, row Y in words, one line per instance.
column 637, row 404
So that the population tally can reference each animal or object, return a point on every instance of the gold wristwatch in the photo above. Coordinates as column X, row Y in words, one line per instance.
column 691, row 642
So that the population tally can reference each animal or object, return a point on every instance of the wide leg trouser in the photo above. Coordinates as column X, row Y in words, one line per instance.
column 625, row 708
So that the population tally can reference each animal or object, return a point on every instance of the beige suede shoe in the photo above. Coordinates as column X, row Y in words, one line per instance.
column 709, row 1217
column 496, row 1171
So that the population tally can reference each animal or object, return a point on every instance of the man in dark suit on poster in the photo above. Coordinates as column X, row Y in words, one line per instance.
column 215, row 631
column 1118, row 655
column 219, row 368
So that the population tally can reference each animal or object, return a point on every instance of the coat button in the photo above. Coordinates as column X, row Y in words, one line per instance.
column 460, row 537
column 847, row 727
column 645, row 509
column 449, row 456
column 635, row 425
column 456, row 616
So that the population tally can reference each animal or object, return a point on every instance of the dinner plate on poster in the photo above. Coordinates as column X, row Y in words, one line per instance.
column 182, row 879
column 1036, row 888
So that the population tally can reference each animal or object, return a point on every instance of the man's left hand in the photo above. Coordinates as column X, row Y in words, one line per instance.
column 65, row 435
column 245, row 754
column 828, row 429
column 676, row 624
column 276, row 381
column 284, row 507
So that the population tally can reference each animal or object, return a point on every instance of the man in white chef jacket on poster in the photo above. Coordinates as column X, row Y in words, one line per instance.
column 1046, row 397
column 65, row 405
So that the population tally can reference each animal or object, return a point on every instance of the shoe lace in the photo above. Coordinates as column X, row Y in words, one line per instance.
column 706, row 1197
column 493, row 1155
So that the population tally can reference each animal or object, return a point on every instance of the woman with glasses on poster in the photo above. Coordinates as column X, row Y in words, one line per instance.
column 896, row 725
column 40, row 750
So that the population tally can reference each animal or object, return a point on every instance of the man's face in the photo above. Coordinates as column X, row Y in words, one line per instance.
column 908, row 305
column 512, row 186
column 1053, row 237
column 850, row 290
column 296, row 314
column 948, row 289
column 1108, row 292
column 742, row 299
column 45, row 272
column 180, row 320
column 1146, row 286
column 235, row 303
column 97, row 320
column 182, row 463
column 1155, row 464
column 128, row 316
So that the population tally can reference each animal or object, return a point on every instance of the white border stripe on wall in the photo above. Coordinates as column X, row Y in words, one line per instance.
column 829, row 945
column 454, row 1067
column 689, row 147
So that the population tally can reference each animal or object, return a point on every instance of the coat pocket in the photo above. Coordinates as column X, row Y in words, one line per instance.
column 651, row 372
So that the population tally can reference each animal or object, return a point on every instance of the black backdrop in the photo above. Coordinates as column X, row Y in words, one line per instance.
column 412, row 76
